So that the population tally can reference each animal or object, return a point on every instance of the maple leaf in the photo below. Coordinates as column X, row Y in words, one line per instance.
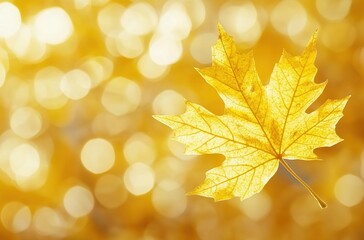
column 262, row 126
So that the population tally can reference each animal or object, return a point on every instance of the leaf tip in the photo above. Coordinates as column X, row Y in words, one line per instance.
column 311, row 45
column 220, row 28
column 314, row 37
column 191, row 193
column 345, row 100
column 156, row 117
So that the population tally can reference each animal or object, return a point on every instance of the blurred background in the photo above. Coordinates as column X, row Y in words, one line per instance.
column 82, row 158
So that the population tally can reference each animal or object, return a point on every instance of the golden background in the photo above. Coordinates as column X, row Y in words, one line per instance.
column 82, row 158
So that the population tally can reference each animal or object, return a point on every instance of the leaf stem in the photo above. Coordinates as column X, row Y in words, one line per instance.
column 290, row 170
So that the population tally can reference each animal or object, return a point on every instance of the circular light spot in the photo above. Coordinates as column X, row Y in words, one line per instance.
column 171, row 168
column 121, row 96
column 196, row 10
column 200, row 47
column 129, row 46
column 48, row 222
column 304, row 211
column 289, row 17
column 333, row 10
column 174, row 21
column 16, row 217
column 98, row 155
column 238, row 18
column 169, row 102
column 16, row 93
column 303, row 36
column 338, row 36
column 24, row 160
column 53, row 26
column 4, row 59
column 99, row 2
column 110, row 43
column 110, row 191
column 75, row 84
column 340, row 217
column 80, row 4
column 257, row 207
column 78, row 201
column 26, row 122
column 349, row 190
column 47, row 88
column 139, row 18
column 10, row 19
column 165, row 50
column 168, row 202
column 25, row 46
column 98, row 68
column 139, row 179
column 20, row 42
column 109, row 124
column 140, row 148
column 150, row 69
column 108, row 18
column 2, row 74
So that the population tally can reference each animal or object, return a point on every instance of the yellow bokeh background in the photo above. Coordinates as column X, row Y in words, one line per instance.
column 82, row 158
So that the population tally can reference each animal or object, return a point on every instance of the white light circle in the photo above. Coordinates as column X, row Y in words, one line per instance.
column 53, row 26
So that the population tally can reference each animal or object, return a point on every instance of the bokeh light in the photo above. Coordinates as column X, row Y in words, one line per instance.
column 174, row 21
column 108, row 18
column 165, row 50
column 257, row 207
column 78, row 201
column 140, row 148
column 49, row 223
column 240, row 18
column 349, row 190
column 26, row 46
column 24, row 160
column 98, row 155
column 81, row 156
column 333, row 10
column 121, row 96
column 150, row 69
column 169, row 102
column 169, row 199
column 2, row 74
column 98, row 69
column 139, row 179
column 139, row 18
column 128, row 45
column 344, row 36
column 26, row 122
column 289, row 17
column 47, row 88
column 53, row 26
column 110, row 191
column 16, row 217
column 75, row 84
column 10, row 19
column 201, row 47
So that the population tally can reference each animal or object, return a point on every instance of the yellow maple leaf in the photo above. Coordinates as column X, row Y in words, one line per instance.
column 262, row 126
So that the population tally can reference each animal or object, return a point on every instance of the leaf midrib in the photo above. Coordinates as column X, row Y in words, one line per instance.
column 251, row 110
column 290, row 104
